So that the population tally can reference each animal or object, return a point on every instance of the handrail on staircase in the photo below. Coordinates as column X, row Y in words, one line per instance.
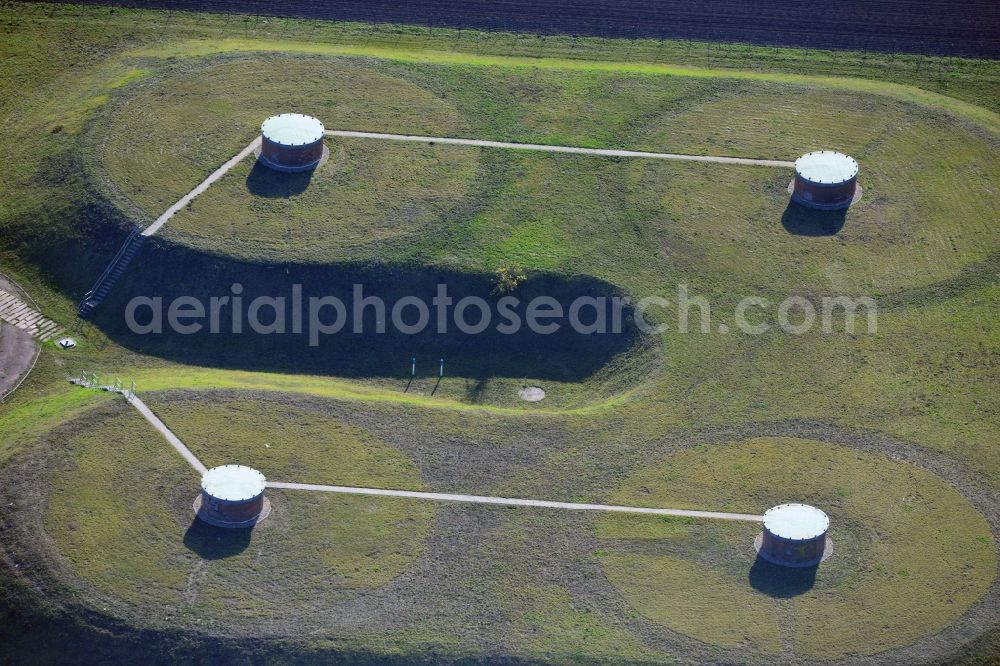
column 136, row 231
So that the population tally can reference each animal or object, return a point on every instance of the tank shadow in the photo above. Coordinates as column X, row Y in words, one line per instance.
column 802, row 221
column 781, row 582
column 271, row 184
column 215, row 543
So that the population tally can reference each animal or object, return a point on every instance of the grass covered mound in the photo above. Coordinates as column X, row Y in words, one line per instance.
column 911, row 555
column 119, row 513
column 108, row 105
column 419, row 212
column 634, row 223
column 286, row 443
column 182, row 118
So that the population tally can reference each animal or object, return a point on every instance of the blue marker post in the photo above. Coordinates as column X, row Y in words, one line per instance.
column 441, row 374
column 413, row 367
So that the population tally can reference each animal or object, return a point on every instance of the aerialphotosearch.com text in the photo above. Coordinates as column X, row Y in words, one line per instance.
column 445, row 313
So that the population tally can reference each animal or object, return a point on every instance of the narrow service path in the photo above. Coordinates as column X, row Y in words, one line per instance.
column 510, row 501
column 192, row 460
column 204, row 185
column 606, row 152
column 170, row 437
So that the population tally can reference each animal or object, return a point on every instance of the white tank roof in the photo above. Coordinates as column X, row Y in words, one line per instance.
column 826, row 167
column 292, row 129
column 796, row 521
column 233, row 483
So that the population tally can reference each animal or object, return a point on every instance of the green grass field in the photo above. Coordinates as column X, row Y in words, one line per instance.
column 637, row 224
column 208, row 573
column 112, row 116
column 892, row 526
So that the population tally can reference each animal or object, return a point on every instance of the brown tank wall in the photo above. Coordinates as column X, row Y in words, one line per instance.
column 218, row 511
column 824, row 195
column 292, row 156
column 794, row 552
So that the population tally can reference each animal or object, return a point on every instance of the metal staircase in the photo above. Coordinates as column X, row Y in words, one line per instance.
column 129, row 249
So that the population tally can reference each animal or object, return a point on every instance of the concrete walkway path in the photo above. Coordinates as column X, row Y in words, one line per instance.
column 605, row 152
column 510, row 501
column 204, row 185
column 439, row 497
column 178, row 445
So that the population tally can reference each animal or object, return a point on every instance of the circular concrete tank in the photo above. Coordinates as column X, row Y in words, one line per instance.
column 292, row 142
column 232, row 496
column 825, row 179
column 795, row 536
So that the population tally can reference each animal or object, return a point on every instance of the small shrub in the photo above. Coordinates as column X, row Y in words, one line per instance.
column 507, row 279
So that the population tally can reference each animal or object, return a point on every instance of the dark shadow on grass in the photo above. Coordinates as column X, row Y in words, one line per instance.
column 474, row 390
column 271, row 184
column 216, row 543
column 170, row 271
column 781, row 582
column 803, row 221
